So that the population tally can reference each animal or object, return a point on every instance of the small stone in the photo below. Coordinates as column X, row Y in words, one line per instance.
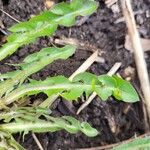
column 147, row 13
column 140, row 19
column 49, row 4
column 129, row 73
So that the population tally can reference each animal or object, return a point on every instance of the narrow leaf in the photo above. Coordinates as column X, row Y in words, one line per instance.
column 28, row 119
column 140, row 143
column 45, row 24
column 104, row 87
column 32, row 64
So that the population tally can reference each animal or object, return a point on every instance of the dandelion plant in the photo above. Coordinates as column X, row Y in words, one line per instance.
column 17, row 84
column 137, row 143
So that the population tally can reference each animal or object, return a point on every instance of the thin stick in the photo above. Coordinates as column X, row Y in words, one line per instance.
column 48, row 102
column 9, row 15
column 81, row 45
column 37, row 142
column 85, row 65
column 138, row 52
column 112, row 71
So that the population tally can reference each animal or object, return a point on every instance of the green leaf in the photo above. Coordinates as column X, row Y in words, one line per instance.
column 70, row 124
column 24, row 113
column 86, row 129
column 88, row 8
column 75, row 4
column 139, row 143
column 104, row 86
column 108, row 81
column 27, row 119
column 61, row 9
column 44, row 17
column 125, row 91
column 72, row 94
column 108, row 85
column 8, row 75
column 22, row 27
column 32, row 64
column 50, row 53
column 85, row 77
column 50, row 81
column 34, row 22
column 46, row 24
column 67, row 21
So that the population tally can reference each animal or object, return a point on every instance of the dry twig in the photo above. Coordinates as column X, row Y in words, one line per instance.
column 37, row 142
column 85, row 65
column 81, row 45
column 81, row 69
column 110, row 73
column 116, row 144
column 145, row 44
column 9, row 15
column 138, row 52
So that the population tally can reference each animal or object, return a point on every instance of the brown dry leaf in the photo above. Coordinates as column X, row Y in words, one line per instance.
column 49, row 3
column 145, row 44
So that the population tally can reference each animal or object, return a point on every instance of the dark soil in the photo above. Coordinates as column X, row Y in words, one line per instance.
column 116, row 121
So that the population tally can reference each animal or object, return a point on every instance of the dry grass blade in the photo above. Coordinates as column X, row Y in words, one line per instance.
column 37, row 142
column 9, row 15
column 81, row 45
column 138, row 52
column 106, row 147
column 85, row 65
column 110, row 73
column 109, row 3
column 145, row 44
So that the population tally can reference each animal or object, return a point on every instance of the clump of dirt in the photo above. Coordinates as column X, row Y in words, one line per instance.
column 116, row 121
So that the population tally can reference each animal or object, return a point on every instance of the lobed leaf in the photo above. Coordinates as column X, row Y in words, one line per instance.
column 104, row 86
column 125, row 90
column 24, row 113
column 28, row 119
column 32, row 64
column 46, row 24
column 139, row 143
